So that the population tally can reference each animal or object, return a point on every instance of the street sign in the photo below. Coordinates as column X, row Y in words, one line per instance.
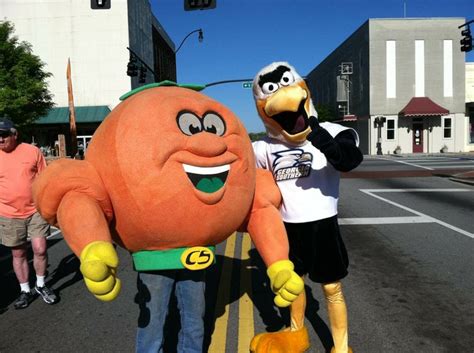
column 346, row 68
column 247, row 85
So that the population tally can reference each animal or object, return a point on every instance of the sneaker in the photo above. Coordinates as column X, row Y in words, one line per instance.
column 47, row 294
column 23, row 300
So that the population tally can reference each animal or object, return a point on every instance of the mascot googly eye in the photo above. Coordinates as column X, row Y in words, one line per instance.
column 287, row 78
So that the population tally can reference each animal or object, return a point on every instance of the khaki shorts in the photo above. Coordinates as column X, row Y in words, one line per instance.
column 15, row 231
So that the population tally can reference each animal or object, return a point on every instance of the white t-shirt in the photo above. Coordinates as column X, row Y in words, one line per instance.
column 309, row 184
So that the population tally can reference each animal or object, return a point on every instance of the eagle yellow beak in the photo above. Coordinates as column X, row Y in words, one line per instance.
column 285, row 99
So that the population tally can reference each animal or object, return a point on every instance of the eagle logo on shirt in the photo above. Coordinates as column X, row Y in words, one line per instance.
column 292, row 164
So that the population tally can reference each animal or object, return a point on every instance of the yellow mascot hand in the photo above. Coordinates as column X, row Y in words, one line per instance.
column 99, row 263
column 286, row 284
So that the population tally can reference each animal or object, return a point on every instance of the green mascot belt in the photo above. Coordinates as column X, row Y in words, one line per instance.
column 193, row 258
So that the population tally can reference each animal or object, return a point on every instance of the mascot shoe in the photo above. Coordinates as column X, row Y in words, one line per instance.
column 285, row 341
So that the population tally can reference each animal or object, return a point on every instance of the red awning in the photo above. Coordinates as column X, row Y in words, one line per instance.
column 346, row 118
column 423, row 106
column 349, row 118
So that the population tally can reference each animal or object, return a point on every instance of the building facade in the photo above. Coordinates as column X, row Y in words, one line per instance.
column 470, row 100
column 95, row 42
column 407, row 73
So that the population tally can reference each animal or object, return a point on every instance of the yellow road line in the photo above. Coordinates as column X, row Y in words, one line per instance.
column 219, row 336
column 246, row 326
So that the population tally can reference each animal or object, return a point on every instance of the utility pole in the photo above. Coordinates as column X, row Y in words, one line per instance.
column 72, row 113
column 346, row 70
column 379, row 121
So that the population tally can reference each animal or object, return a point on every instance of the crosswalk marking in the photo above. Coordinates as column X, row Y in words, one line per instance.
column 442, row 162
column 407, row 163
column 246, row 322
column 415, row 190
column 432, row 163
column 371, row 192
column 384, row 220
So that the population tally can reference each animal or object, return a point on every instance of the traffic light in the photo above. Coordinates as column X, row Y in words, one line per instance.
column 100, row 4
column 190, row 5
column 132, row 69
column 142, row 77
column 466, row 42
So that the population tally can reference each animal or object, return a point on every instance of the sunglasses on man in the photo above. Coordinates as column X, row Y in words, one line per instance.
column 5, row 134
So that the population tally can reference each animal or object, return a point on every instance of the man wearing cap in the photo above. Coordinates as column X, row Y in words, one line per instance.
column 20, row 163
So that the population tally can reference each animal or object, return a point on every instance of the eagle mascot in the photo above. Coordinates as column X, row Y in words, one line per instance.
column 305, row 158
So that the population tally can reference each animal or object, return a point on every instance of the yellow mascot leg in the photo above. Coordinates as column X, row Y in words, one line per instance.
column 337, row 313
column 293, row 339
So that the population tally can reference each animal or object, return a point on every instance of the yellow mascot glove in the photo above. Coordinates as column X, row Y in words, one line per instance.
column 99, row 263
column 286, row 284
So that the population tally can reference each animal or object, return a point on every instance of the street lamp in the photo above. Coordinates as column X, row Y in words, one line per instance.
column 379, row 121
column 200, row 38
column 137, row 67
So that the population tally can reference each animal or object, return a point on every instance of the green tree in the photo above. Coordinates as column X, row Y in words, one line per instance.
column 24, row 94
column 255, row 136
column 325, row 113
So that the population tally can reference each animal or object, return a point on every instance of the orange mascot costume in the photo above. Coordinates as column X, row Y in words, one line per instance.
column 168, row 174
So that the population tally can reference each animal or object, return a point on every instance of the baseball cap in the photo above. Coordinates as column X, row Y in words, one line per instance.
column 6, row 124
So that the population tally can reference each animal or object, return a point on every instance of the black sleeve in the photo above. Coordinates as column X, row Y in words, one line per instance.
column 343, row 153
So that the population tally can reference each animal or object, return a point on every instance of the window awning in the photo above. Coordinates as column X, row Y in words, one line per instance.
column 86, row 114
column 346, row 118
column 350, row 117
column 423, row 106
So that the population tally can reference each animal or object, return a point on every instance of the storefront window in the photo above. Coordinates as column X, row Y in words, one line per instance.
column 390, row 129
column 447, row 128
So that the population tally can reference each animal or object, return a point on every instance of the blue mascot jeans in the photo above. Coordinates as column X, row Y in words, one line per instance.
column 154, row 292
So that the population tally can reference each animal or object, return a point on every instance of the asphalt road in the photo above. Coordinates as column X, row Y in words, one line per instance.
column 411, row 275
column 410, row 240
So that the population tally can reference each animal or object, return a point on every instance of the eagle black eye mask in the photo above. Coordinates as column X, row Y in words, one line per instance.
column 274, row 76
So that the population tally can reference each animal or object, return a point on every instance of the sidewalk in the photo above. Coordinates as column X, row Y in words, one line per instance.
column 467, row 177
column 455, row 175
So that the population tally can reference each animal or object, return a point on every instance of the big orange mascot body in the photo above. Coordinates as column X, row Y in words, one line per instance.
column 169, row 173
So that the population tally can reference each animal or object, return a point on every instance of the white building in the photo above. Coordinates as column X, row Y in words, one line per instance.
column 95, row 42
column 470, row 101
column 410, row 72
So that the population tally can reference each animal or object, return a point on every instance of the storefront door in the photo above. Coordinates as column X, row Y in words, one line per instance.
column 417, row 137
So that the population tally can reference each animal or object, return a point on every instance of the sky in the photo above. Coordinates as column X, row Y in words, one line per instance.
column 243, row 36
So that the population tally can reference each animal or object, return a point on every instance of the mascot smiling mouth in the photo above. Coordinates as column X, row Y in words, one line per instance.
column 207, row 179
column 293, row 122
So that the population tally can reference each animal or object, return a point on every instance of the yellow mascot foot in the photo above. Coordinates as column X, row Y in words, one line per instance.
column 281, row 342
column 349, row 350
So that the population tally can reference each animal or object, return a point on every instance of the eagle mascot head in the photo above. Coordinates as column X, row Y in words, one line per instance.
column 283, row 102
